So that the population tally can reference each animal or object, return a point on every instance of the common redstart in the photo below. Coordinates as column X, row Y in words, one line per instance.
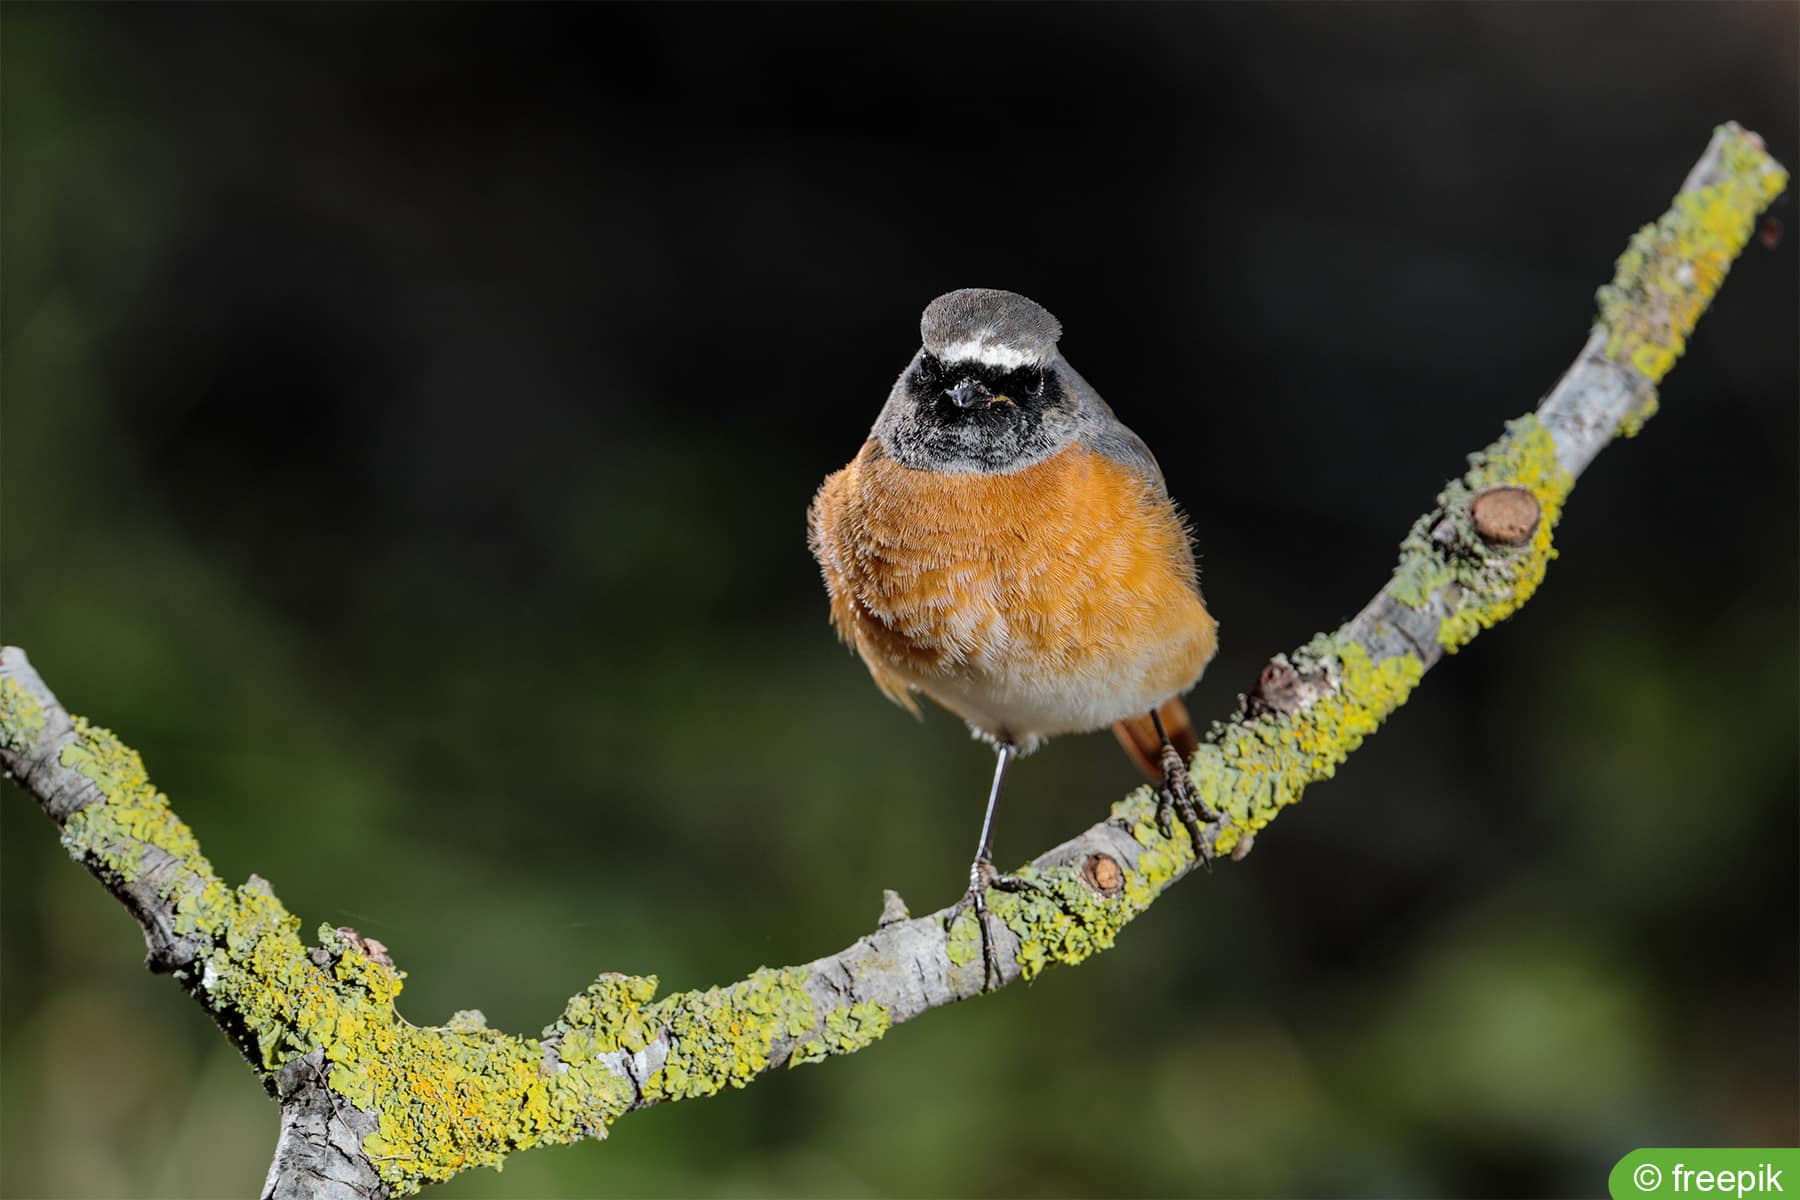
column 1004, row 545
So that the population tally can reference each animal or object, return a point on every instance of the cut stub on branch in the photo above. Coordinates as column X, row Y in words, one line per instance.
column 373, row 1105
column 1103, row 874
column 1282, row 690
column 1505, row 515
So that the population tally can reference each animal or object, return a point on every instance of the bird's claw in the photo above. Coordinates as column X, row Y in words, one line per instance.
column 983, row 876
column 1177, row 797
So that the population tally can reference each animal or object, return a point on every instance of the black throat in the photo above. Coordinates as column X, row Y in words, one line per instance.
column 1003, row 429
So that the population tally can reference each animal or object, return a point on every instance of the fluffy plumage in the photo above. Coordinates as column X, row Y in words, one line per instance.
column 1003, row 544
column 1056, row 599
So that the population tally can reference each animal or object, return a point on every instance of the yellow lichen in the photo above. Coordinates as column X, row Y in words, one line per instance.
column 846, row 1031
column 1673, row 267
column 963, row 943
column 21, row 716
column 1443, row 554
column 1059, row 919
column 725, row 1036
column 1253, row 770
column 1246, row 771
column 445, row 1098
column 131, row 815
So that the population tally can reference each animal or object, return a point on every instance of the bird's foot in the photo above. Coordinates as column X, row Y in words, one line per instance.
column 983, row 876
column 1177, row 797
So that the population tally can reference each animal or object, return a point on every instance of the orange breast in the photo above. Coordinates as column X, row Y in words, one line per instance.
column 1057, row 598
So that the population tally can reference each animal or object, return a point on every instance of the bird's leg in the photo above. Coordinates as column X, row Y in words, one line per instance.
column 982, row 875
column 1177, row 795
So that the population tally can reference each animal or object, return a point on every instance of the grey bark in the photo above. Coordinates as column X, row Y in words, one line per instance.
column 319, row 1154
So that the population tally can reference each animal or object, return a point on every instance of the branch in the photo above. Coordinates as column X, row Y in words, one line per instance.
column 373, row 1105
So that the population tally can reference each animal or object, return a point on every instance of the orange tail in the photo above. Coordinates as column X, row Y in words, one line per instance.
column 1138, row 736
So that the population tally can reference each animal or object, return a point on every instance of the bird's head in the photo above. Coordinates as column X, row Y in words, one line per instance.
column 985, row 391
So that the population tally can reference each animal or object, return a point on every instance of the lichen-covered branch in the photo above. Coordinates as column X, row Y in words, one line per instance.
column 373, row 1105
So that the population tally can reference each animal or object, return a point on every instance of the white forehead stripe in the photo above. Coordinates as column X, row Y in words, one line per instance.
column 988, row 354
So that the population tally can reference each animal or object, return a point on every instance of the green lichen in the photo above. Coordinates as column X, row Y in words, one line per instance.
column 447, row 1099
column 1059, row 918
column 21, row 716
column 726, row 1036
column 1673, row 267
column 1666, row 278
column 1443, row 550
column 612, row 1014
column 963, row 939
column 461, row 1096
column 131, row 815
column 444, row 1098
column 1248, row 772
column 717, row 1038
column 467, row 1020
column 846, row 1031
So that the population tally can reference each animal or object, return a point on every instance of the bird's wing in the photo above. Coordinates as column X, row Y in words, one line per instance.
column 1104, row 433
column 1115, row 440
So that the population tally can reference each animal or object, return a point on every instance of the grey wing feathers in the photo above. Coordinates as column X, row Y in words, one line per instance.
column 1104, row 433
column 1121, row 445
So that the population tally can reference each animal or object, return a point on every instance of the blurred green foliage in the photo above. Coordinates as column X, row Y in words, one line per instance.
column 1546, row 917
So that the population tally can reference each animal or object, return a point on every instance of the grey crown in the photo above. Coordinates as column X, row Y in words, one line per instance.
column 990, row 315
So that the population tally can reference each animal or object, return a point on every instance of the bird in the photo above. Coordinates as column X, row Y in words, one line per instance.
column 1005, row 546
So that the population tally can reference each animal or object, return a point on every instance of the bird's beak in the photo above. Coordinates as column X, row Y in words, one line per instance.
column 965, row 393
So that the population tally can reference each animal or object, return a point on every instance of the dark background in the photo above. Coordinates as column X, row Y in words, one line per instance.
column 409, row 416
